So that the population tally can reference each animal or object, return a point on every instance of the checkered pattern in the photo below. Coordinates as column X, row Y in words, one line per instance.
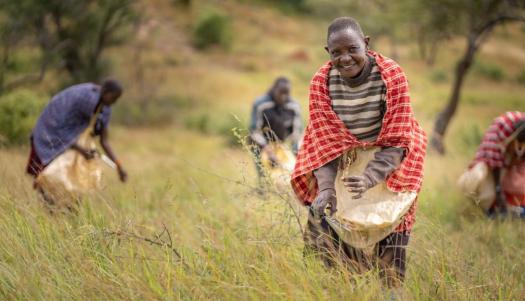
column 327, row 138
column 492, row 148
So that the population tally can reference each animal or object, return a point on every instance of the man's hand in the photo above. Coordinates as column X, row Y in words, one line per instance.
column 88, row 154
column 324, row 198
column 358, row 185
column 123, row 175
column 271, row 155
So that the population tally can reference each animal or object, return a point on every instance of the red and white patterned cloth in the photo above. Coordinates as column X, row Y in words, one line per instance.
column 326, row 137
column 492, row 148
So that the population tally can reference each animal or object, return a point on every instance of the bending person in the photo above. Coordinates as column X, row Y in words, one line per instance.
column 275, row 118
column 503, row 149
column 65, row 118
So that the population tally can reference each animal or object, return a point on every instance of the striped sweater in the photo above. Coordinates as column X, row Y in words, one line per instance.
column 360, row 104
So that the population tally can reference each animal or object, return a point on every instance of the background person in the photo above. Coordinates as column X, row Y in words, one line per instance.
column 66, row 117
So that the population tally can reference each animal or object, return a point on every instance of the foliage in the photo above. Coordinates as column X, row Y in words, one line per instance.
column 521, row 77
column 224, row 127
column 185, row 3
column 70, row 34
column 490, row 71
column 213, row 29
column 198, row 122
column 471, row 137
column 157, row 111
column 439, row 76
column 18, row 114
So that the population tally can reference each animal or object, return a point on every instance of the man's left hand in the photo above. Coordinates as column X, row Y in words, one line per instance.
column 123, row 175
column 358, row 185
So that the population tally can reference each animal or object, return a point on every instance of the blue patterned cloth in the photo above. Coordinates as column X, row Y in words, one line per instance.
column 65, row 117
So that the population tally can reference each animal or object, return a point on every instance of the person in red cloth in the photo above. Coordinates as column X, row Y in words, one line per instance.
column 503, row 148
column 358, row 99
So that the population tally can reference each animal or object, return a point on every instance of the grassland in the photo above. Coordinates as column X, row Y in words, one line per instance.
column 189, row 226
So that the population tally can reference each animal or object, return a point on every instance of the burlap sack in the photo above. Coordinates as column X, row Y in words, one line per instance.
column 363, row 222
column 279, row 174
column 70, row 175
column 477, row 183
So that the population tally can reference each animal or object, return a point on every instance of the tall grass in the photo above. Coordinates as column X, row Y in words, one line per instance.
column 234, row 244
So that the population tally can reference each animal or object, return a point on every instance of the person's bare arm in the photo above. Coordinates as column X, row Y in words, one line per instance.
column 104, row 142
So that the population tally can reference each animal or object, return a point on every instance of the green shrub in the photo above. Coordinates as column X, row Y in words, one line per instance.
column 439, row 76
column 489, row 71
column 157, row 111
column 471, row 137
column 293, row 6
column 18, row 113
column 225, row 126
column 199, row 123
column 185, row 3
column 232, row 129
column 521, row 77
column 213, row 29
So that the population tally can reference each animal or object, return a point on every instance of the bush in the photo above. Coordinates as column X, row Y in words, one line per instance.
column 18, row 113
column 521, row 77
column 295, row 6
column 185, row 3
column 213, row 29
column 199, row 123
column 471, row 137
column 232, row 129
column 226, row 127
column 439, row 76
column 489, row 71
column 158, row 111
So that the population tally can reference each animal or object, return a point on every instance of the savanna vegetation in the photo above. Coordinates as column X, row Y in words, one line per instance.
column 189, row 224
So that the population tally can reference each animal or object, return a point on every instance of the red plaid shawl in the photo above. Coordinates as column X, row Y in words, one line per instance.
column 327, row 138
column 492, row 148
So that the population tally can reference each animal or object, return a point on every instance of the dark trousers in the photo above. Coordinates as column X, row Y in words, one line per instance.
column 388, row 256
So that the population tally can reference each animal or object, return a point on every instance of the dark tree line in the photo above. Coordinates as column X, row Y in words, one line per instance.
column 71, row 35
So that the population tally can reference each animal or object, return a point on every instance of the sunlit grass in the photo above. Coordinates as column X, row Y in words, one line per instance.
column 234, row 244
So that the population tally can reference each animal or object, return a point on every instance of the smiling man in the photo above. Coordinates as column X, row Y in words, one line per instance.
column 358, row 100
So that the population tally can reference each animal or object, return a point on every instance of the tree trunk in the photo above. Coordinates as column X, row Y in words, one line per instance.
column 444, row 117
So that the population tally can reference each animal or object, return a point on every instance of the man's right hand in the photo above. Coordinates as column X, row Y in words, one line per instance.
column 325, row 198
column 88, row 154
column 271, row 155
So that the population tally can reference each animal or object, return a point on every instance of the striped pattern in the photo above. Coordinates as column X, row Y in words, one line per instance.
column 326, row 137
column 492, row 148
column 360, row 108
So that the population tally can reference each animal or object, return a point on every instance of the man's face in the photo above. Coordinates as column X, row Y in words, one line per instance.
column 281, row 93
column 347, row 51
column 109, row 98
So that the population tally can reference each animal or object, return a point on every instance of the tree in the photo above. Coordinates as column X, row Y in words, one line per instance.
column 474, row 20
column 74, row 33
column 429, row 23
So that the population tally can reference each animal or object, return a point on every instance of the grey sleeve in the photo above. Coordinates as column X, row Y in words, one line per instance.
column 256, row 132
column 384, row 163
column 326, row 174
